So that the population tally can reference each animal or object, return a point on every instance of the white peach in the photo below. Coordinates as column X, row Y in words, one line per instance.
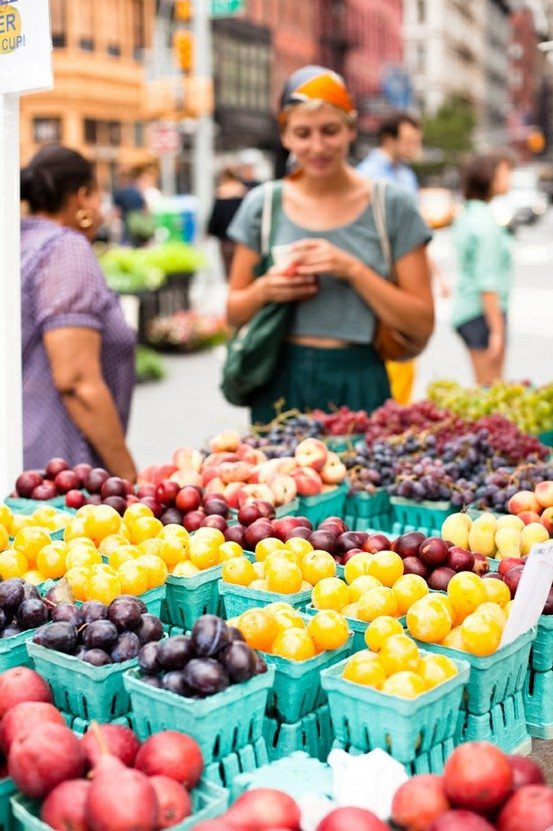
column 311, row 453
column 334, row 470
column 544, row 494
column 228, row 440
column 308, row 481
column 284, row 488
column 523, row 501
column 234, row 472
column 187, row 476
column 188, row 457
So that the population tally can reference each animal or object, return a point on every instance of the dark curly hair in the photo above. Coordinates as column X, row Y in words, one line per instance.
column 479, row 173
column 53, row 174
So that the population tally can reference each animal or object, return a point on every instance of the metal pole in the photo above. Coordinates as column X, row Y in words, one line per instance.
column 11, row 418
column 203, row 138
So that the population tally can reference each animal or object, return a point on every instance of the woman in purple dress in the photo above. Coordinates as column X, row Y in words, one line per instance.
column 78, row 352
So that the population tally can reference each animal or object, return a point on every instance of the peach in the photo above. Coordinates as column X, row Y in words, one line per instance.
column 284, row 488
column 311, row 453
column 266, row 470
column 308, row 481
column 529, row 517
column 215, row 485
column 186, row 476
column 334, row 470
column 250, row 454
column 251, row 492
column 232, row 492
column 523, row 501
column 215, row 459
column 546, row 520
column 226, row 440
column 162, row 472
column 235, row 472
column 544, row 494
column 188, row 457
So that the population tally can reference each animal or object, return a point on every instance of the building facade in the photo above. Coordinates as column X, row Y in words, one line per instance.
column 493, row 127
column 525, row 84
column 96, row 105
column 444, row 47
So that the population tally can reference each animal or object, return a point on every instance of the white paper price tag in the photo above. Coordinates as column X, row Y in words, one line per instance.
column 534, row 586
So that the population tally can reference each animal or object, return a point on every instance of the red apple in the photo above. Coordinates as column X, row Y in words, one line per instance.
column 22, row 684
column 478, row 777
column 529, row 809
column 419, row 801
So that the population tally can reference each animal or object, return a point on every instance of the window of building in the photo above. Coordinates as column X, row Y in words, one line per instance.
column 421, row 57
column 46, row 130
column 90, row 127
column 115, row 31
column 421, row 11
column 138, row 33
column 58, row 16
column 84, row 24
column 113, row 131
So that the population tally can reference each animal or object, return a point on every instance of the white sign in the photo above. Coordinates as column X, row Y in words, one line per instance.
column 532, row 592
column 164, row 139
column 25, row 46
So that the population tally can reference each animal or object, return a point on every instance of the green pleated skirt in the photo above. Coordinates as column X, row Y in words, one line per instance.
column 311, row 378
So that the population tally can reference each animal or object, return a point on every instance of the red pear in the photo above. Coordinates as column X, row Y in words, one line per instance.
column 120, row 798
column 44, row 757
column 64, row 809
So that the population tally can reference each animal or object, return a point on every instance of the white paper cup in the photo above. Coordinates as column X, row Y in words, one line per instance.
column 283, row 256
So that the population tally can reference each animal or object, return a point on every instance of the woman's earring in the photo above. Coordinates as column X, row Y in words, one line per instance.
column 84, row 218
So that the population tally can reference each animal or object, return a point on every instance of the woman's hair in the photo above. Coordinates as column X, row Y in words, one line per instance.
column 479, row 174
column 52, row 175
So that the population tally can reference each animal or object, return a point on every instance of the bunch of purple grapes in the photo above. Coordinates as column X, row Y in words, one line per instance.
column 498, row 487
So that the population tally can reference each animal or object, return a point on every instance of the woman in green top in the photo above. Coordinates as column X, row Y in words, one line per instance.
column 481, row 297
column 336, row 284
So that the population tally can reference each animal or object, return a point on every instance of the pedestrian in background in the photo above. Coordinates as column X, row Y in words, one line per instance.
column 334, row 281
column 228, row 198
column 484, row 252
column 78, row 352
column 129, row 200
column 399, row 146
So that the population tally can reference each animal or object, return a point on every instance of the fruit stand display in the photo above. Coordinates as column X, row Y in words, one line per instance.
column 329, row 582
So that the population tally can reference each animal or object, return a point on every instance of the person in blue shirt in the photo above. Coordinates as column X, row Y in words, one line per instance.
column 399, row 143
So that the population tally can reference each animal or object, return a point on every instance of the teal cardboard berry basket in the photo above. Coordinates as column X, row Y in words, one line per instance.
column 297, row 687
column 329, row 503
column 419, row 516
column 221, row 723
column 405, row 728
column 13, row 651
column 493, row 678
column 80, row 688
column 363, row 511
column 238, row 599
column 541, row 656
column 26, row 506
column 208, row 801
column 7, row 789
column 187, row 598
column 298, row 775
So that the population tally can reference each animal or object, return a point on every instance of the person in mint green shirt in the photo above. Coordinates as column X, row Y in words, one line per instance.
column 484, row 251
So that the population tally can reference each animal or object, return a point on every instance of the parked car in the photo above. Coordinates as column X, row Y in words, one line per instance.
column 437, row 206
column 524, row 203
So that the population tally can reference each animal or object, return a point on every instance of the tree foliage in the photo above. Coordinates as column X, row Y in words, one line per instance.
column 450, row 129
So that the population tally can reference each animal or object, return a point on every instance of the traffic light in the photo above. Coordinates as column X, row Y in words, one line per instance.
column 183, row 44
column 183, row 9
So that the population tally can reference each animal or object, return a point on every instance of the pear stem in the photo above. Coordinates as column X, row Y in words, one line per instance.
column 100, row 738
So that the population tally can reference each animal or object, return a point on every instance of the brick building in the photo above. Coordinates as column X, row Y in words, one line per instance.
column 524, row 77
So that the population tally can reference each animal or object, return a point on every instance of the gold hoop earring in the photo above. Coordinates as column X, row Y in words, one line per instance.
column 84, row 218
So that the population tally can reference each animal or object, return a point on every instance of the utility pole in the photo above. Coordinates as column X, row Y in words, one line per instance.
column 203, row 137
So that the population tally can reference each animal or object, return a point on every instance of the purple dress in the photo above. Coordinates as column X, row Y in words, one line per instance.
column 62, row 285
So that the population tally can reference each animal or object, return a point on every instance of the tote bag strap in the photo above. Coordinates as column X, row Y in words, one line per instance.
column 379, row 213
column 272, row 199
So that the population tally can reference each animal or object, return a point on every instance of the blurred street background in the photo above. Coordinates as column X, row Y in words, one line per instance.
column 187, row 407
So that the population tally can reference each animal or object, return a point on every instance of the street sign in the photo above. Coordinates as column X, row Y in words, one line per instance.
column 396, row 87
column 226, row 8
column 164, row 139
